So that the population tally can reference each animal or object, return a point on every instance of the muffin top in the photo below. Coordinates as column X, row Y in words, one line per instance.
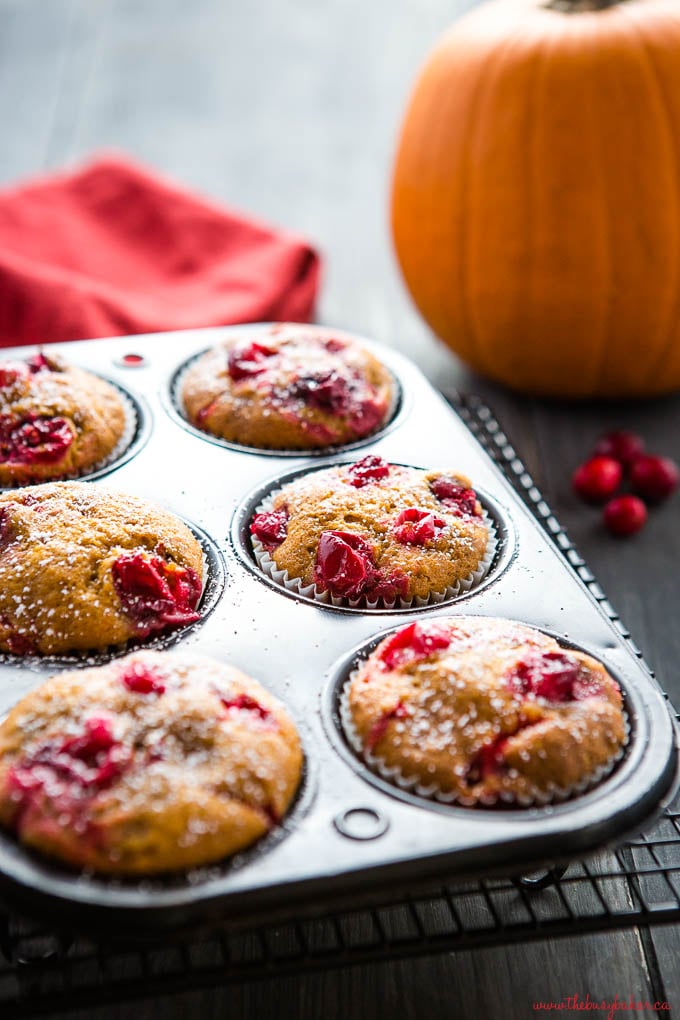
column 153, row 763
column 56, row 420
column 373, row 530
column 289, row 387
column 83, row 568
column 476, row 710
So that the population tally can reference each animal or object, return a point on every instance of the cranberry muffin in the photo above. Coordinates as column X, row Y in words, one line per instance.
column 477, row 710
column 56, row 421
column 373, row 530
column 288, row 388
column 153, row 763
column 82, row 568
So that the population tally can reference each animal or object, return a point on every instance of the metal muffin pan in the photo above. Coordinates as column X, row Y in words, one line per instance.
column 352, row 838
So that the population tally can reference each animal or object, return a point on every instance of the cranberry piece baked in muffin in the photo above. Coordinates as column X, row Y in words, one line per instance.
column 82, row 568
column 373, row 530
column 288, row 387
column 478, row 710
column 56, row 420
column 153, row 763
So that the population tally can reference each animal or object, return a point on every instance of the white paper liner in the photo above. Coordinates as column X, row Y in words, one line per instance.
column 295, row 584
column 123, row 444
column 178, row 404
column 393, row 774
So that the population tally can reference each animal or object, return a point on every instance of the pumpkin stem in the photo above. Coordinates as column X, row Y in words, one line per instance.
column 578, row 6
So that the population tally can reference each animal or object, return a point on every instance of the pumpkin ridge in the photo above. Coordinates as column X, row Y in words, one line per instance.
column 665, row 343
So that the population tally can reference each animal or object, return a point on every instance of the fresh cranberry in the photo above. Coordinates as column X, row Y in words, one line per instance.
column 139, row 679
column 416, row 527
column 334, row 345
column 621, row 445
column 378, row 730
column 369, row 469
column 625, row 515
column 344, row 562
column 417, row 641
column 244, row 362
column 38, row 363
column 654, row 478
column 555, row 676
column 11, row 372
column 455, row 496
column 367, row 416
column 34, row 440
column 156, row 593
column 244, row 703
column 387, row 586
column 597, row 479
column 328, row 391
column 270, row 528
column 62, row 776
column 489, row 760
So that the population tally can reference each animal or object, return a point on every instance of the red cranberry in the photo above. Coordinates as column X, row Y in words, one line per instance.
column 597, row 479
column 549, row 675
column 489, row 760
column 334, row 345
column 328, row 391
column 244, row 362
column 369, row 469
column 270, row 528
column 344, row 562
column 412, row 643
column 654, row 478
column 454, row 496
column 379, row 728
column 244, row 703
column 34, row 440
column 60, row 777
column 11, row 372
column 156, row 593
column 367, row 416
column 621, row 445
column 625, row 515
column 39, row 363
column 139, row 679
column 416, row 527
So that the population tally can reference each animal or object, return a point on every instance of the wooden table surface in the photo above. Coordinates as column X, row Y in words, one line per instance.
column 289, row 109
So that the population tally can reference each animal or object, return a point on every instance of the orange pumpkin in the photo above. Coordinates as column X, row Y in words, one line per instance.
column 536, row 195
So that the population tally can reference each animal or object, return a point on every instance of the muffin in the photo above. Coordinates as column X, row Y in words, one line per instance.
column 288, row 388
column 56, row 421
column 479, row 710
column 153, row 763
column 82, row 568
column 374, row 531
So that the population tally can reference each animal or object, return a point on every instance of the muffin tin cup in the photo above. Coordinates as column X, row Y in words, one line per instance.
column 176, row 409
column 213, row 586
column 297, row 586
column 134, row 436
column 411, row 784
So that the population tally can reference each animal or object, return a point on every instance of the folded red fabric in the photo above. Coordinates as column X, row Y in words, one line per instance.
column 113, row 249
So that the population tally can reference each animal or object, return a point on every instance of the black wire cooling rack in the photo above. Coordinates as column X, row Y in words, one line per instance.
column 637, row 884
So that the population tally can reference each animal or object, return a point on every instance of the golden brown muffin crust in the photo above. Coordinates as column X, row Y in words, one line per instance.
column 289, row 387
column 71, row 554
column 153, row 763
column 481, row 708
column 56, row 420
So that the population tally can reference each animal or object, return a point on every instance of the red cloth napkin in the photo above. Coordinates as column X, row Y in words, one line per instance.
column 115, row 249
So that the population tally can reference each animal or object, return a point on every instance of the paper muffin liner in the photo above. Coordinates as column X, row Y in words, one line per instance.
column 177, row 384
column 393, row 773
column 296, row 584
column 130, row 428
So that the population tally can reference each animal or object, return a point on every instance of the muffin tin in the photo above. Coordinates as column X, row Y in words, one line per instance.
column 350, row 833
